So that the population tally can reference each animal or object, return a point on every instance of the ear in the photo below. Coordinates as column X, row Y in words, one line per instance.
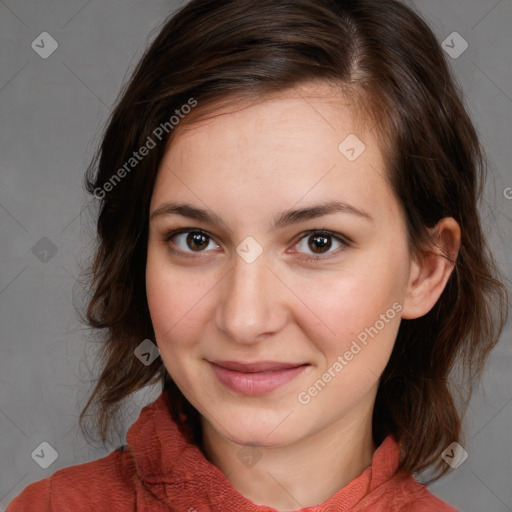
column 430, row 272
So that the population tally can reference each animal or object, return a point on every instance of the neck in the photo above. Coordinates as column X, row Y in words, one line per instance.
column 302, row 474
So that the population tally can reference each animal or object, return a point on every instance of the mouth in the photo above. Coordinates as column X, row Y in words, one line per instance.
column 255, row 378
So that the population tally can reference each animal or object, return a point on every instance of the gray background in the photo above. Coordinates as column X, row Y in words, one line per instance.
column 52, row 111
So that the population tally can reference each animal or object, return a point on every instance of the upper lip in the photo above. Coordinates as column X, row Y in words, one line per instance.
column 259, row 366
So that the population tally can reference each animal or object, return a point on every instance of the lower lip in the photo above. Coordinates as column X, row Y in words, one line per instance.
column 257, row 383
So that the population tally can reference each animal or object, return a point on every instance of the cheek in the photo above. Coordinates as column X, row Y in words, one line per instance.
column 340, row 309
column 365, row 328
column 175, row 300
column 355, row 312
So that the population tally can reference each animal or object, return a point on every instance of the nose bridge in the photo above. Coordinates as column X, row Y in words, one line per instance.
column 249, row 304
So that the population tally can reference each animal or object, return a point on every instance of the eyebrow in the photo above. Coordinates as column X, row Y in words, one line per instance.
column 283, row 219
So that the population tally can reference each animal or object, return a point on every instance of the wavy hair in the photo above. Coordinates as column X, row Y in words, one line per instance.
column 382, row 54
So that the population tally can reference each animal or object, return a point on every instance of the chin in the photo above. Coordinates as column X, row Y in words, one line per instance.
column 269, row 431
column 261, row 439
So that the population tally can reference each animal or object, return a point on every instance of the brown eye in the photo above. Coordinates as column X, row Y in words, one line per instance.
column 189, row 241
column 197, row 241
column 319, row 243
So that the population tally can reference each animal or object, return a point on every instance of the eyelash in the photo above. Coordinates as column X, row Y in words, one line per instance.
column 345, row 242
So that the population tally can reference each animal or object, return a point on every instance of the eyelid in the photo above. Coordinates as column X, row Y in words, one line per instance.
column 322, row 231
column 179, row 231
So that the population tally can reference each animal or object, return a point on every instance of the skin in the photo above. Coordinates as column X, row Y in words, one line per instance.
column 208, row 303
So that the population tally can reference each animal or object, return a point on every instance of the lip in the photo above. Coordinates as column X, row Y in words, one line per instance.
column 255, row 378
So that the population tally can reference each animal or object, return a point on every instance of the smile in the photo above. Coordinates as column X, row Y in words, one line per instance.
column 255, row 378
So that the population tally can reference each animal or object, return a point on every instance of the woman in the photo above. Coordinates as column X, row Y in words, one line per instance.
column 288, row 196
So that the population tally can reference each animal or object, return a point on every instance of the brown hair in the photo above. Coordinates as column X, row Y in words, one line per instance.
column 386, row 56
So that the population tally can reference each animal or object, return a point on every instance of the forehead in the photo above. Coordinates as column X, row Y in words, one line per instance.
column 305, row 121
column 274, row 149
column 324, row 100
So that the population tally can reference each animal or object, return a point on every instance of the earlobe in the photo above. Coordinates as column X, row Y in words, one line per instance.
column 430, row 272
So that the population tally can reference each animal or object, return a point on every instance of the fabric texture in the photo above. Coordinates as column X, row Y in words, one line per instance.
column 161, row 469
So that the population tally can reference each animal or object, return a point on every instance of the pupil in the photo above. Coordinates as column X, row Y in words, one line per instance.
column 320, row 242
column 196, row 241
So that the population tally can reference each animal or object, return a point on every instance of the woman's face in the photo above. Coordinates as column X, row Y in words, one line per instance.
column 272, row 330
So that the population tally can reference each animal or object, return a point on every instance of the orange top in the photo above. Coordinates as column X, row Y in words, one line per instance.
column 162, row 470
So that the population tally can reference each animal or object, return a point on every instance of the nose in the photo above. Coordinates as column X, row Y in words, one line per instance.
column 252, row 303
